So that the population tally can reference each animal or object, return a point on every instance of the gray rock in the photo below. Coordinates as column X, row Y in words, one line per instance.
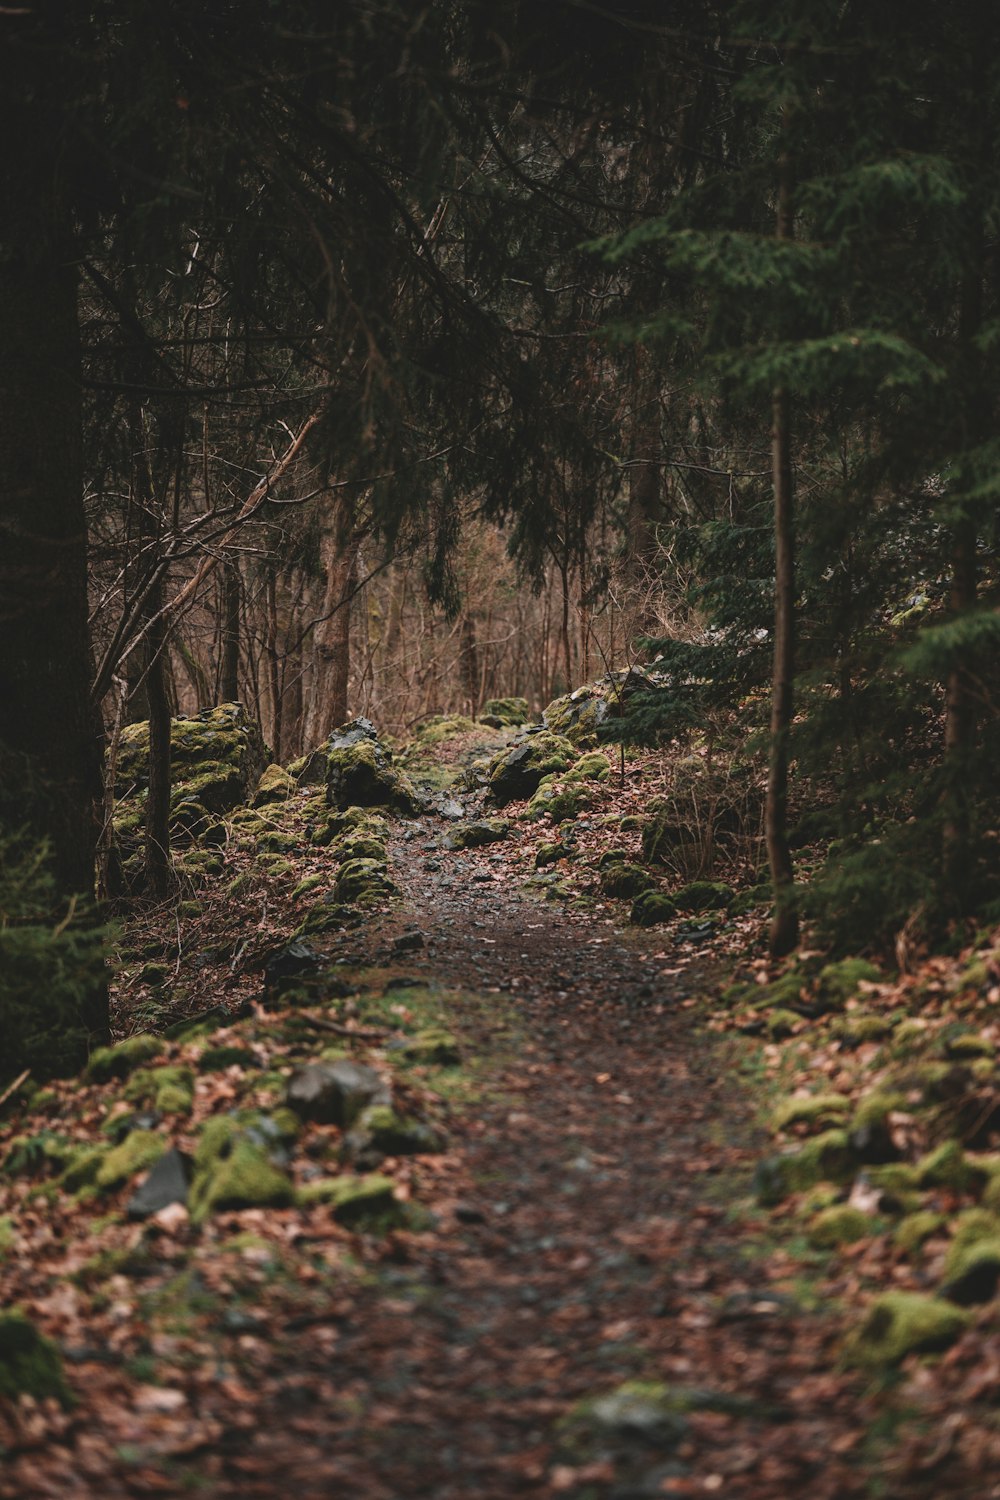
column 335, row 1093
column 167, row 1183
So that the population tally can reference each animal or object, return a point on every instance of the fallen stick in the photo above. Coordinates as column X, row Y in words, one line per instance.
column 322, row 1024
column 12, row 1088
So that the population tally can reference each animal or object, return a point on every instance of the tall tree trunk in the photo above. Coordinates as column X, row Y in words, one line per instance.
column 332, row 638
column 784, row 926
column 469, row 662
column 229, row 686
column 45, row 667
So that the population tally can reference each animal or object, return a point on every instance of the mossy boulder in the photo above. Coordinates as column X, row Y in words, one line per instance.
column 276, row 785
column 826, row 1157
column 703, row 895
column 382, row 1130
column 646, row 1414
column 360, row 773
column 516, row 771
column 360, row 881
column 170, row 1089
column 812, row 1110
column 82, row 1169
column 900, row 1323
column 505, row 713
column 972, row 1269
column 579, row 715
column 215, row 758
column 551, row 854
column 969, row 1046
column 477, row 835
column 335, row 1093
column 557, row 798
column 432, row 1047
column 359, row 845
column 948, row 1167
column 29, row 1363
column 591, row 767
column 137, row 1153
column 913, row 1229
column 858, row 1028
column 836, row 983
column 651, row 907
column 367, row 1202
column 625, row 880
column 239, row 1163
column 782, row 1023
column 840, row 1224
column 122, row 1059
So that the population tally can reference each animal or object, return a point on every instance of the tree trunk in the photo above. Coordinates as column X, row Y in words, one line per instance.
column 229, row 686
column 784, row 926
column 332, row 638
column 469, row 662
column 45, row 668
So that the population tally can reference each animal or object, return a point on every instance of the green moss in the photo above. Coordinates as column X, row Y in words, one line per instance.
column 357, row 1202
column 37, row 1155
column 363, row 880
column 359, row 845
column 913, row 1229
column 949, row 1167
column 395, row 1135
column 361, row 775
column 625, row 880
column 29, row 1364
column 83, row 1168
column 704, row 895
column 441, row 727
column 812, row 1110
column 276, row 785
column 240, row 885
column 121, row 1060
column 875, row 1108
column 909, row 1037
column 275, row 842
column 140, row 1150
column 782, row 1023
column 652, row 907
column 860, row 1027
column 477, row 835
column 509, row 713
column 245, row 1178
column 840, row 1224
column 970, row 1046
column 827, row 1157
column 275, row 866
column 972, row 1270
column 837, row 982
column 898, row 1185
column 550, row 854
column 432, row 1047
column 900, row 1323
column 305, row 886
column 591, row 767
column 170, row 1089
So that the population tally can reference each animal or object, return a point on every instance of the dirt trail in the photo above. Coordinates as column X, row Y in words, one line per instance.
column 593, row 1244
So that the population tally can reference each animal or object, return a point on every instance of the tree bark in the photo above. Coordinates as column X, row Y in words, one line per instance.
column 229, row 688
column 332, row 638
column 45, row 667
column 784, row 925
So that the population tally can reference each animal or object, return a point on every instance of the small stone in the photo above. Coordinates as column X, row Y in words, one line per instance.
column 167, row 1183
column 901, row 1323
column 335, row 1093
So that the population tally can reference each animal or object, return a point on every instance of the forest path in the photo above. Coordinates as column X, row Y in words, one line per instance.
column 593, row 1244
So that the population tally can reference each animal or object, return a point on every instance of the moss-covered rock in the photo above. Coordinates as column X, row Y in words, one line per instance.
column 858, row 1028
column 29, row 1364
column 432, row 1047
column 41, row 1155
column 215, row 758
column 838, row 982
column 900, row 1323
column 913, row 1229
column 969, row 1046
column 361, row 881
column 652, row 907
column 840, row 1224
column 477, row 835
column 948, row 1166
column 626, row 881
column 782, row 1023
column 273, row 841
column 505, row 713
column 558, row 798
column 367, row 1202
column 140, row 1150
column 591, row 767
column 170, row 1089
column 644, row 1413
column 246, row 1177
column 121, row 1060
column 359, row 845
column 813, row 1110
column 382, row 1129
column 550, row 854
column 824, row 1157
column 360, row 772
column 276, row 785
column 898, row 1185
column 516, row 771
column 704, row 895
column 82, row 1169
column 876, row 1107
